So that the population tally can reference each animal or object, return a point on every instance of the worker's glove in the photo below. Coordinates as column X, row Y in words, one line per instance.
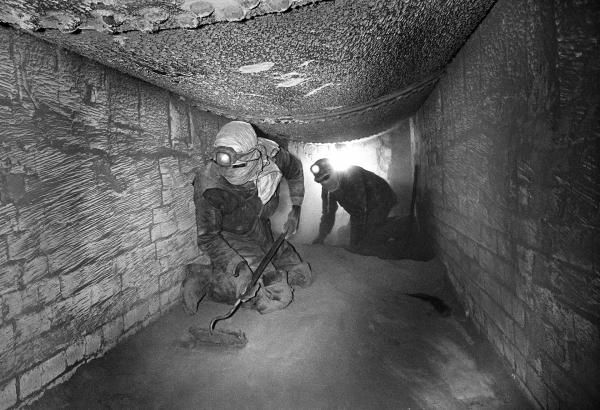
column 291, row 225
column 242, row 270
column 245, row 292
column 243, row 278
column 249, row 294
column 318, row 240
column 243, row 273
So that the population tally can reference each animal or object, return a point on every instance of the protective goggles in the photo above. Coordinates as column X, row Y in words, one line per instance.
column 227, row 157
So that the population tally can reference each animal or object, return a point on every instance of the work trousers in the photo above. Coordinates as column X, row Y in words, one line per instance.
column 276, row 292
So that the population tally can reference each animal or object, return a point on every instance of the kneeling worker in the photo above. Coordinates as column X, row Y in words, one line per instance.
column 234, row 198
column 367, row 197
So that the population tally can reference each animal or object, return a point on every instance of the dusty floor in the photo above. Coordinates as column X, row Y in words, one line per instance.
column 353, row 340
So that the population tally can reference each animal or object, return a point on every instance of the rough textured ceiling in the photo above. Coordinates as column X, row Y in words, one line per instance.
column 314, row 70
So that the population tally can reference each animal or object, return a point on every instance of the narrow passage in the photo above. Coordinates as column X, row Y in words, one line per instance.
column 353, row 340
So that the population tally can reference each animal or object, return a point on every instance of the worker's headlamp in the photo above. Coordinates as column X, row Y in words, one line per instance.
column 227, row 157
column 321, row 170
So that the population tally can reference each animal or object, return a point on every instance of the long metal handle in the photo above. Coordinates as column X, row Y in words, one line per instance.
column 255, row 277
column 264, row 262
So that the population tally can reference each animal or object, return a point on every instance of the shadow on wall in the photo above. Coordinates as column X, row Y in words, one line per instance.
column 387, row 154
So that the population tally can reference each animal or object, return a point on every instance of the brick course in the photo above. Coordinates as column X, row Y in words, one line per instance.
column 96, row 209
column 509, row 191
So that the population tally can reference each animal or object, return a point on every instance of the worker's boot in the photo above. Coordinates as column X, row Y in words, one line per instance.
column 275, row 294
column 299, row 275
column 195, row 286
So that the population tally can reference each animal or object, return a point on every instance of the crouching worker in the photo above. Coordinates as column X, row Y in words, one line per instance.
column 234, row 197
column 368, row 199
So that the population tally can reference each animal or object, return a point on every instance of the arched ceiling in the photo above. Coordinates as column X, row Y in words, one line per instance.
column 312, row 70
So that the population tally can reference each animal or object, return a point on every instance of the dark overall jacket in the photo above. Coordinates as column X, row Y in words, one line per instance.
column 227, row 210
column 366, row 196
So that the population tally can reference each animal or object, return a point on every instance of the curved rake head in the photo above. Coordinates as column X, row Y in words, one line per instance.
column 199, row 336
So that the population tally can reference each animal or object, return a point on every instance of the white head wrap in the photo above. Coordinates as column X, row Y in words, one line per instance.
column 238, row 135
column 241, row 137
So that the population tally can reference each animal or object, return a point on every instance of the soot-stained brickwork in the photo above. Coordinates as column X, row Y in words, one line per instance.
column 96, row 214
column 509, row 146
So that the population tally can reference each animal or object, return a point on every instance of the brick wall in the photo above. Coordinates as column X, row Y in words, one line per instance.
column 96, row 213
column 509, row 143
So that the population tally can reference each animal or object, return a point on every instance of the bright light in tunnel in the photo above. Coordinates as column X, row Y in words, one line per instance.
column 348, row 154
column 368, row 153
column 372, row 153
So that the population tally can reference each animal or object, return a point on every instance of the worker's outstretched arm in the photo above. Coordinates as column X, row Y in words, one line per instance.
column 328, row 216
column 291, row 168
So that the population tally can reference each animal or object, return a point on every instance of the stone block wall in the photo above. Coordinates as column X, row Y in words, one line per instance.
column 508, row 144
column 97, row 219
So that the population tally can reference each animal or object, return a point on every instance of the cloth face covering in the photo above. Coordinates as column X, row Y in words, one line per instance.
column 260, row 169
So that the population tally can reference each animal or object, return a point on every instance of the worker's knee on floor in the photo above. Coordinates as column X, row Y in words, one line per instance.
column 300, row 275
column 193, row 290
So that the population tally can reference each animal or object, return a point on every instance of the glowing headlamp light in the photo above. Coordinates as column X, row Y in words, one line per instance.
column 223, row 159
column 224, row 156
column 227, row 157
column 321, row 170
